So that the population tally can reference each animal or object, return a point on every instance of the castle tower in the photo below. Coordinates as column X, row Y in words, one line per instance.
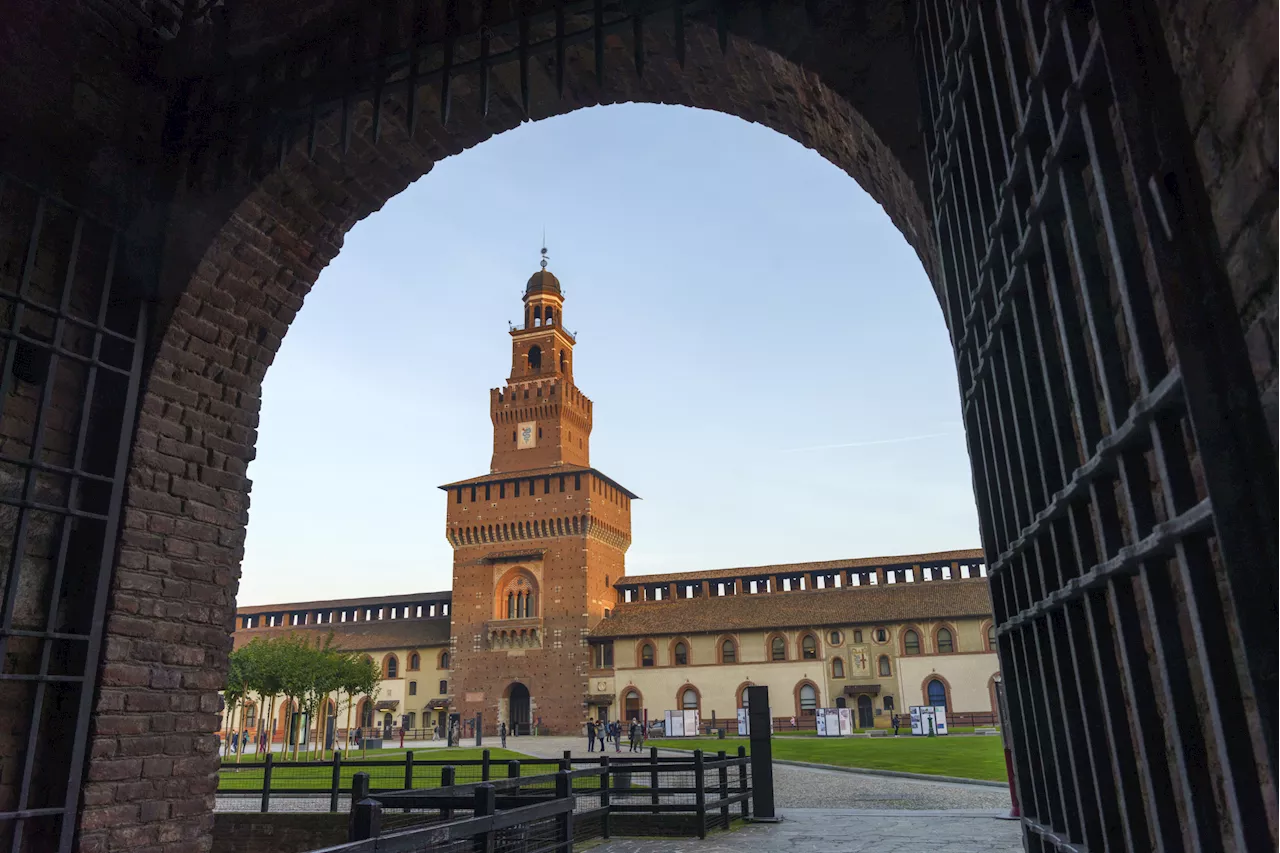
column 537, row 541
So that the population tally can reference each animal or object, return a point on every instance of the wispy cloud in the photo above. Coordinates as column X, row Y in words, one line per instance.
column 871, row 443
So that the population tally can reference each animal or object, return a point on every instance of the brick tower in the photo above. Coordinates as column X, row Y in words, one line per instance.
column 537, row 541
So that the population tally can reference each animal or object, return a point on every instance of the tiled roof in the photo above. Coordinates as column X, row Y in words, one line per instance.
column 796, row 568
column 863, row 605
column 554, row 470
column 339, row 603
column 371, row 636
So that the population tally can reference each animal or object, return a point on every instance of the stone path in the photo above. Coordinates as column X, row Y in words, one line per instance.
column 846, row 831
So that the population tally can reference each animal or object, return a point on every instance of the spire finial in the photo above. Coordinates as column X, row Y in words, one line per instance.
column 544, row 248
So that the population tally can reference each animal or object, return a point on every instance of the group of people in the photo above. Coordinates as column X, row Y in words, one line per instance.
column 237, row 741
column 605, row 733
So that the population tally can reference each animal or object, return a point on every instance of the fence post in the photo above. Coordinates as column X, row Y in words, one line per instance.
column 266, row 784
column 724, row 786
column 485, row 807
column 742, row 781
column 513, row 772
column 479, row 732
column 566, row 763
column 653, row 776
column 484, row 766
column 564, row 791
column 604, row 796
column 336, row 784
column 366, row 814
column 447, row 775
column 700, row 792
column 408, row 770
column 760, row 723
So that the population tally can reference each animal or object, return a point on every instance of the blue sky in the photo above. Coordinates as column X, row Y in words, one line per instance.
column 770, row 369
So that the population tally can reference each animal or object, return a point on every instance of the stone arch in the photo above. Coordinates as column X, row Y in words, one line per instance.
column 720, row 648
column 946, row 687
column 640, row 653
column 681, row 692
column 517, row 595
column 771, row 646
column 672, row 649
column 740, row 695
column 984, row 632
column 955, row 638
column 799, row 689
column 921, row 636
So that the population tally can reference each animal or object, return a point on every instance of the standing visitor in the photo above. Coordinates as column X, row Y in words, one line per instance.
column 244, row 740
column 502, row 733
column 895, row 725
column 617, row 735
column 591, row 736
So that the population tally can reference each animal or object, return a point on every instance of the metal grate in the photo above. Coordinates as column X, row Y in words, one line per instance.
column 1126, row 576
column 72, row 333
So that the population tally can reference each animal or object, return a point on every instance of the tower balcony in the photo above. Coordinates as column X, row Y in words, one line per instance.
column 514, row 633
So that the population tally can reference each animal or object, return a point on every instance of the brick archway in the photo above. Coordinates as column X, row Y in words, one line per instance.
column 1193, row 246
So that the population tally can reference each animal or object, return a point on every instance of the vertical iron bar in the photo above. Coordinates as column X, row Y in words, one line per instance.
column 266, row 785
column 335, row 781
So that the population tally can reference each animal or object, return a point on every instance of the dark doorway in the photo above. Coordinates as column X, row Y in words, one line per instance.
column 866, row 715
column 632, row 701
column 518, row 708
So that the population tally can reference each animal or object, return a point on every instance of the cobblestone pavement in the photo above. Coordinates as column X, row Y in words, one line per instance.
column 845, row 831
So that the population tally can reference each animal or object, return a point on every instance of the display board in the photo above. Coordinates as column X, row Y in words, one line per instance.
column 928, row 719
column 834, row 722
column 744, row 722
column 682, row 723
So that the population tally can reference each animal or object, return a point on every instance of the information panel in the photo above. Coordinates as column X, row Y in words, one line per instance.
column 928, row 719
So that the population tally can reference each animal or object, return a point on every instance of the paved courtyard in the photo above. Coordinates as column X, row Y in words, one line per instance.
column 845, row 831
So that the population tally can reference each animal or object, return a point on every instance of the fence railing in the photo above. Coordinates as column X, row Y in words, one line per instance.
column 584, row 799
column 328, row 784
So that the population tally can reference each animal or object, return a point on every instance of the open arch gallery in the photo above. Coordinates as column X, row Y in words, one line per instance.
column 544, row 625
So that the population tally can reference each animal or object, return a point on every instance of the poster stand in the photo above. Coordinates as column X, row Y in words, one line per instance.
column 928, row 720
column 682, row 723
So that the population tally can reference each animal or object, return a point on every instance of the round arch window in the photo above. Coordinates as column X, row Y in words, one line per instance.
column 808, row 700
column 646, row 655
column 834, row 638
column 689, row 699
column 680, row 654
column 937, row 694
column 778, row 649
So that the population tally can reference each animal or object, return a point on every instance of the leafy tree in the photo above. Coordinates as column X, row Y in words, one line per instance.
column 234, row 693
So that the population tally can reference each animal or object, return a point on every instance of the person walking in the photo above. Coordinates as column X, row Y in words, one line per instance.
column 591, row 736
column 896, row 721
column 244, row 740
column 502, row 733
column 631, row 731
column 617, row 735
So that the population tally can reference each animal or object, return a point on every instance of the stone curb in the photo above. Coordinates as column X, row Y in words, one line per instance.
column 895, row 774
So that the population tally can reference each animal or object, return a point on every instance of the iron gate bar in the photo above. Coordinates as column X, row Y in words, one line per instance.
column 1061, row 626
column 103, row 534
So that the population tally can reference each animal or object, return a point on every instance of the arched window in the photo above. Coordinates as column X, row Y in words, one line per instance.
column 444, row 660
column 809, row 647
column 937, row 693
column 778, row 649
column 415, row 662
column 511, row 605
column 250, row 716
column 689, row 699
column 991, row 638
column 885, row 671
column 834, row 638
column 680, row 654
column 744, row 700
column 535, row 357
column 551, row 315
column 392, row 666
column 808, row 700
column 728, row 652
column 946, row 645
column 837, row 668
column 911, row 642
column 564, row 361
column 646, row 655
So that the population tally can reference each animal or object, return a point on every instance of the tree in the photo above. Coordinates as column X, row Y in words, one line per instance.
column 235, row 691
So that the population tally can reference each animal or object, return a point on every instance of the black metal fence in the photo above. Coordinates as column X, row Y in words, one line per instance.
column 584, row 799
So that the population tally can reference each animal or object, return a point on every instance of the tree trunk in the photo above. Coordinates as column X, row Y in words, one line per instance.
column 350, row 702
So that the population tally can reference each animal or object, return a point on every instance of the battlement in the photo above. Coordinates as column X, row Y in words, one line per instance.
column 540, row 390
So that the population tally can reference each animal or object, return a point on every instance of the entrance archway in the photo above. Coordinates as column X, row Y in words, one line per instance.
column 519, row 709
column 866, row 713
column 1083, row 250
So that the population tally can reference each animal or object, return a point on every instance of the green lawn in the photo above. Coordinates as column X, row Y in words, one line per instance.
column 966, row 757
column 247, row 776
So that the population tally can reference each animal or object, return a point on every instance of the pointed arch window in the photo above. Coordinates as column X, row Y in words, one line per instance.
column 911, row 642
column 946, row 644
column 680, row 654
column 837, row 668
column 689, row 699
column 728, row 652
column 809, row 647
column 885, row 669
column 808, row 700
column 646, row 655
column 778, row 649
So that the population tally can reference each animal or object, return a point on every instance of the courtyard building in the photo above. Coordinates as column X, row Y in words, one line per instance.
column 543, row 623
